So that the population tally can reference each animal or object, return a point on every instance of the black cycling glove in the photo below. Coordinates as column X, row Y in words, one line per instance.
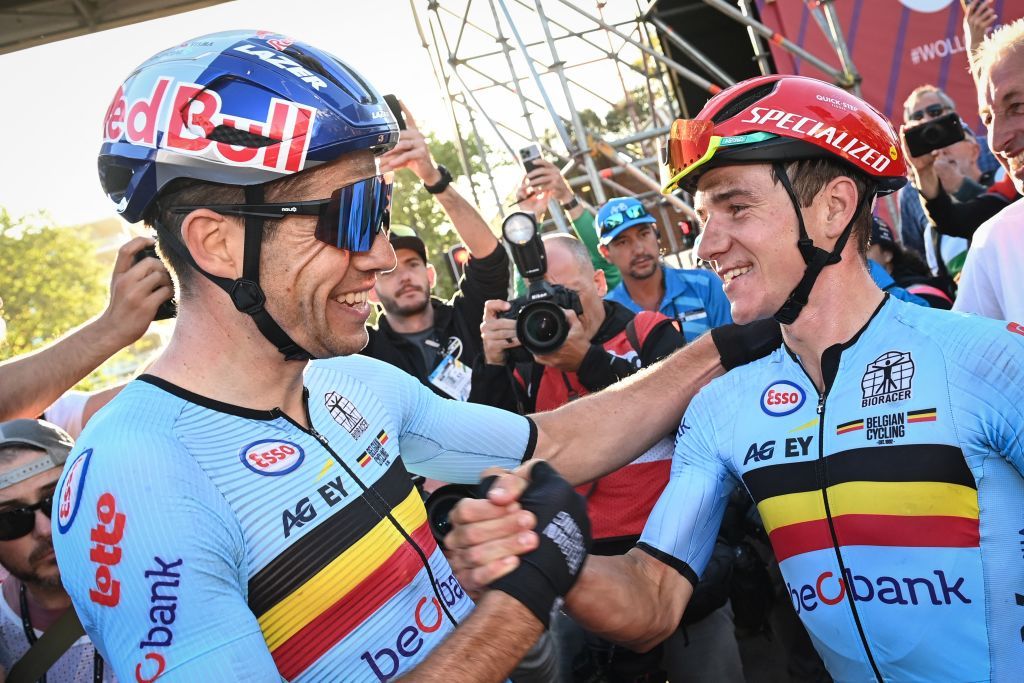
column 740, row 344
column 551, row 570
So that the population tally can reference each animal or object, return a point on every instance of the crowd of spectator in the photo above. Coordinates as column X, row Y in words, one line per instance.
column 955, row 243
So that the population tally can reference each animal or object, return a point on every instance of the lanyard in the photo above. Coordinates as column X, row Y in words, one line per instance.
column 30, row 635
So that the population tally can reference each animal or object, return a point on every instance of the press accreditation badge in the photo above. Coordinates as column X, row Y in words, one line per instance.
column 452, row 377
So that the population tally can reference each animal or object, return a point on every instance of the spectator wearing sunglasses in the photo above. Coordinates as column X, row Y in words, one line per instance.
column 32, row 453
column 435, row 341
column 629, row 238
column 925, row 103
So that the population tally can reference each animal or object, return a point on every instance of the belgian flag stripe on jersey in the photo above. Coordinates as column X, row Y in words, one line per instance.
column 907, row 495
column 912, row 462
column 319, row 545
column 284, row 626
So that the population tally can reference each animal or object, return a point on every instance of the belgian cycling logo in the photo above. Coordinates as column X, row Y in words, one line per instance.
column 375, row 451
column 271, row 457
column 71, row 492
column 782, row 398
column 346, row 414
column 887, row 379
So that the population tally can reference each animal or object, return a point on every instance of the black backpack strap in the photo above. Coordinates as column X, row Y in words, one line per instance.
column 631, row 335
column 48, row 649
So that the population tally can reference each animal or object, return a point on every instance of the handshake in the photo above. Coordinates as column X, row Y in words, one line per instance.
column 536, row 553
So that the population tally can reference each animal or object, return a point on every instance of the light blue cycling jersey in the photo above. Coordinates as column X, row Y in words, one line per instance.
column 201, row 541
column 693, row 297
column 894, row 502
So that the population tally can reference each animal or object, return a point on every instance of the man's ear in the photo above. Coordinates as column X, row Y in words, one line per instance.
column 840, row 198
column 216, row 242
column 603, row 249
column 601, row 281
column 431, row 275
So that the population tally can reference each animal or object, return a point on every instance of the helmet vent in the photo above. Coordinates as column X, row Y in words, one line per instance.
column 743, row 101
column 313, row 64
column 239, row 138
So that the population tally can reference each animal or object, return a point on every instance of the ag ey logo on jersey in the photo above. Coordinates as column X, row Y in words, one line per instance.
column 887, row 379
column 782, row 398
column 71, row 492
column 272, row 457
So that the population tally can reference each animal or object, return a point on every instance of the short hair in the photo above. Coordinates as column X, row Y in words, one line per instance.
column 188, row 192
column 946, row 100
column 577, row 250
column 808, row 176
column 1005, row 40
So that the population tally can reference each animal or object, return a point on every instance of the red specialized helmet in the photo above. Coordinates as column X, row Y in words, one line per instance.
column 786, row 118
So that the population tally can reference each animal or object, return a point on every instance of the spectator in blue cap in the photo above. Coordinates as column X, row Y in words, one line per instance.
column 629, row 238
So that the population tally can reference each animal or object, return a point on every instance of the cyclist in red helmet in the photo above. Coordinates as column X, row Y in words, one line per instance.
column 880, row 442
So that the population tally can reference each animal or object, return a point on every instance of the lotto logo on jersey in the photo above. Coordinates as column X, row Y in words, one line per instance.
column 427, row 618
column 782, row 398
column 71, row 492
column 106, row 551
column 190, row 115
column 272, row 458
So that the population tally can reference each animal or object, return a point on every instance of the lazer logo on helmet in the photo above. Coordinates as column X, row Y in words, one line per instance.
column 282, row 62
column 828, row 590
column 192, row 113
column 812, row 128
column 427, row 618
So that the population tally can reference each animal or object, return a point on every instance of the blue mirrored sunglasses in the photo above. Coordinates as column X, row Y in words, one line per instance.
column 349, row 219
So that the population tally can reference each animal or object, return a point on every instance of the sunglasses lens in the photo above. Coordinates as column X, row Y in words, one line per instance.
column 17, row 523
column 355, row 214
column 688, row 142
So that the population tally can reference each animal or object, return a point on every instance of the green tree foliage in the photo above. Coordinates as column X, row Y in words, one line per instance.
column 50, row 281
column 417, row 208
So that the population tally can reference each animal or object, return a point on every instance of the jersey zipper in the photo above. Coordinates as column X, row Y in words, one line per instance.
column 385, row 512
column 822, row 472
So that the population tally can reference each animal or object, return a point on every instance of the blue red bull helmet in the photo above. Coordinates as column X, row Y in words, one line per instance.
column 239, row 108
column 619, row 215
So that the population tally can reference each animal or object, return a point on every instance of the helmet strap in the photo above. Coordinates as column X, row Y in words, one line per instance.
column 816, row 258
column 245, row 292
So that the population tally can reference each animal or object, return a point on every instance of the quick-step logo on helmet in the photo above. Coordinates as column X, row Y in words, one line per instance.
column 189, row 115
column 812, row 128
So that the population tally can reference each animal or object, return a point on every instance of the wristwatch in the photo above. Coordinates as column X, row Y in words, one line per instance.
column 571, row 204
column 442, row 184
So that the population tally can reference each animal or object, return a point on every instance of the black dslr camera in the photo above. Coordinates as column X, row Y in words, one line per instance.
column 541, row 325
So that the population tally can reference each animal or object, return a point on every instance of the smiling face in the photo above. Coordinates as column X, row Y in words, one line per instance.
column 30, row 558
column 316, row 292
column 750, row 233
column 1001, row 106
column 635, row 251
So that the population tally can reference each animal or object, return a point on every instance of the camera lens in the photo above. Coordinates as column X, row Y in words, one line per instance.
column 542, row 327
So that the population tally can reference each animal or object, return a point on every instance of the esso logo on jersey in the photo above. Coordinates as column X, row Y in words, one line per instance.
column 272, row 457
column 71, row 493
column 782, row 398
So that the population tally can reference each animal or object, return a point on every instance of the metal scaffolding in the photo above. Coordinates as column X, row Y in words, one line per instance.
column 546, row 71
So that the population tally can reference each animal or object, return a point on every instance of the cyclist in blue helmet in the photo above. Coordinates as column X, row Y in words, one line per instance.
column 231, row 516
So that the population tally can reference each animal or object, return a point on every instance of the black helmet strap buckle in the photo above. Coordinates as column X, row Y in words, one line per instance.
column 245, row 292
column 816, row 258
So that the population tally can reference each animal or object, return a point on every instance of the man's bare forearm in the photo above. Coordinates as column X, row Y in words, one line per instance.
column 468, row 222
column 30, row 383
column 486, row 646
column 631, row 599
column 602, row 432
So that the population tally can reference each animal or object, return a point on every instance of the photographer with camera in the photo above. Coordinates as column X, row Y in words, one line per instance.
column 951, row 174
column 560, row 342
